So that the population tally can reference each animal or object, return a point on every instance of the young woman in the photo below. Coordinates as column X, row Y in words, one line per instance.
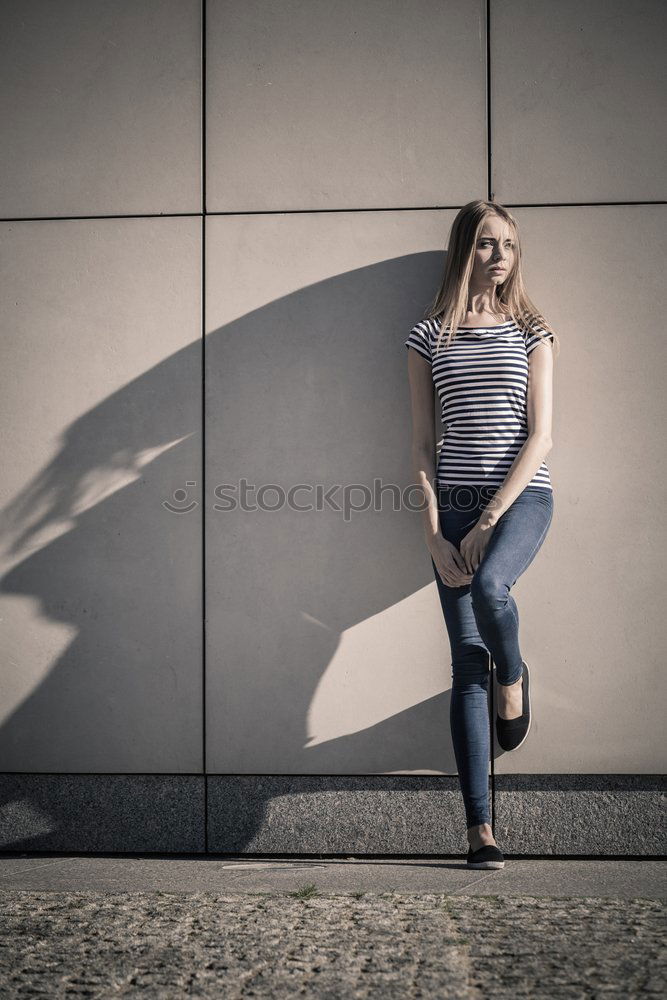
column 488, row 353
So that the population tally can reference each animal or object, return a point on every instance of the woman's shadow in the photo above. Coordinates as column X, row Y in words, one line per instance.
column 107, row 539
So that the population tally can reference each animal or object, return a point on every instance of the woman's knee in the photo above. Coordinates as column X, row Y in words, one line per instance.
column 470, row 668
column 488, row 589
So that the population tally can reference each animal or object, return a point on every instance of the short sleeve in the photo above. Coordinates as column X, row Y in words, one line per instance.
column 533, row 339
column 419, row 338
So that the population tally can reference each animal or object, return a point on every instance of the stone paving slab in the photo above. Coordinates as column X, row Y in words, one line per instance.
column 275, row 945
column 521, row 877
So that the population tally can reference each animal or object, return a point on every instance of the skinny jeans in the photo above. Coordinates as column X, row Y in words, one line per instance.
column 482, row 622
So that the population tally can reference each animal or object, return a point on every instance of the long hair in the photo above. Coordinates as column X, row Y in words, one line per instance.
column 510, row 297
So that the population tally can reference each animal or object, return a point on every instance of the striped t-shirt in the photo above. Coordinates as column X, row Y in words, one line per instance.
column 482, row 384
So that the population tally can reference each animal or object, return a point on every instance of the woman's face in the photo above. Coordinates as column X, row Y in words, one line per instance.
column 494, row 253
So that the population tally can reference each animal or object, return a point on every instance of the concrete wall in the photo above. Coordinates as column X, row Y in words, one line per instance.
column 209, row 268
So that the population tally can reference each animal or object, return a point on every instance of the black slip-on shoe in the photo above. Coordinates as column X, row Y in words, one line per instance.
column 488, row 856
column 512, row 733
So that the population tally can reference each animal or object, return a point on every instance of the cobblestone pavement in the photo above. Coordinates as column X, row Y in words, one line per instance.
column 385, row 945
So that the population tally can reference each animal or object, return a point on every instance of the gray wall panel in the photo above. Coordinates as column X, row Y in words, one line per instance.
column 101, row 416
column 578, row 100
column 352, row 104
column 325, row 649
column 592, row 625
column 100, row 107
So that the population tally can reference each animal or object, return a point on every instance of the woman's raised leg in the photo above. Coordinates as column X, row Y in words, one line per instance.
column 515, row 542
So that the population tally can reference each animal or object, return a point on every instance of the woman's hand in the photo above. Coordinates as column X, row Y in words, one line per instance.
column 473, row 545
column 449, row 562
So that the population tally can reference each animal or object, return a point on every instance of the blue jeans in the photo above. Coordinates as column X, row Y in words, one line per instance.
column 482, row 621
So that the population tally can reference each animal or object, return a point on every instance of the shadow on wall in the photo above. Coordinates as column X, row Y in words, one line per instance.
column 311, row 388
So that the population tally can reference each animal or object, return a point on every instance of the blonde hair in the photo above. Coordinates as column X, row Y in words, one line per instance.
column 511, row 297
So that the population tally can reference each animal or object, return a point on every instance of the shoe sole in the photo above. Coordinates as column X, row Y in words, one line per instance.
column 530, row 716
column 485, row 864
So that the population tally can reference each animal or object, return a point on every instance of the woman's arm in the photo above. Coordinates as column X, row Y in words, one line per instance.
column 446, row 557
column 538, row 443
column 422, row 397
